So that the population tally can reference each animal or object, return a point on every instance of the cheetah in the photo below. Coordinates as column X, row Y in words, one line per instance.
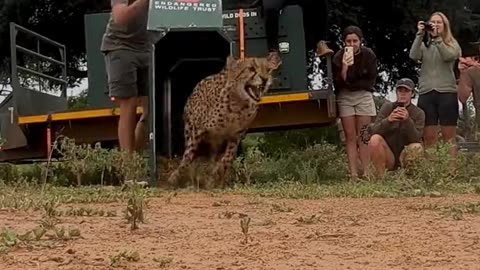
column 220, row 110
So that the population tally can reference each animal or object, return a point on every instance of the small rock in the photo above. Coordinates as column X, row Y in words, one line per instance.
column 142, row 184
column 57, row 259
column 435, row 194
column 70, row 251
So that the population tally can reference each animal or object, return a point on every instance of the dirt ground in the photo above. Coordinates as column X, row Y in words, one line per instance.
column 201, row 231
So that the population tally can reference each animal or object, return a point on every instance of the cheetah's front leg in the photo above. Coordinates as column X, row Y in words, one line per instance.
column 225, row 162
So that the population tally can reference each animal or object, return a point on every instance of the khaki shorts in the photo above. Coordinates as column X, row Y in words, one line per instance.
column 356, row 103
column 127, row 73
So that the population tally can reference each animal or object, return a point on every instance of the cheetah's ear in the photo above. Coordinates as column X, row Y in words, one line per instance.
column 274, row 61
column 231, row 62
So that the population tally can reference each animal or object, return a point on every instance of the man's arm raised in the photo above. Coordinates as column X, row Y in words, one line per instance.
column 122, row 13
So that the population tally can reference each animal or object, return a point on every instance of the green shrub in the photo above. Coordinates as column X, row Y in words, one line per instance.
column 286, row 159
column 320, row 163
column 278, row 143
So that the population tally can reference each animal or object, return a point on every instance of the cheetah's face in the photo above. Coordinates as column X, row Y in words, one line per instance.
column 256, row 72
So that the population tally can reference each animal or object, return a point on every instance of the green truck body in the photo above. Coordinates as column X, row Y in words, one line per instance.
column 197, row 38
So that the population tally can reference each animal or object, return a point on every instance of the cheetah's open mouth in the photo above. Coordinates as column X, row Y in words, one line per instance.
column 254, row 91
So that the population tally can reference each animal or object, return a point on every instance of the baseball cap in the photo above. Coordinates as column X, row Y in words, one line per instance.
column 405, row 82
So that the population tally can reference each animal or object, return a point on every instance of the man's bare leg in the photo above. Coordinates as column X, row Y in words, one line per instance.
column 140, row 130
column 126, row 123
column 380, row 155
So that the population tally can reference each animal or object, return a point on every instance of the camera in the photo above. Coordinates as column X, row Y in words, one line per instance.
column 428, row 26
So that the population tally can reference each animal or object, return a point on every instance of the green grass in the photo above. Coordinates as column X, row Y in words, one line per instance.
column 386, row 189
column 285, row 165
column 31, row 198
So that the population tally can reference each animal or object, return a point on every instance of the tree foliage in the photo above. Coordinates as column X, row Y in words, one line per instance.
column 389, row 27
column 59, row 20
column 79, row 101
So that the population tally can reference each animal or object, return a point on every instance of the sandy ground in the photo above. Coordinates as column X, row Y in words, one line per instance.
column 200, row 231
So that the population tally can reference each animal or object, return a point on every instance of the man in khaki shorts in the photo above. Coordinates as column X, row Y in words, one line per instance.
column 127, row 48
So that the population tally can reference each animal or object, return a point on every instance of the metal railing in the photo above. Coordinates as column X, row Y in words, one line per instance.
column 14, row 47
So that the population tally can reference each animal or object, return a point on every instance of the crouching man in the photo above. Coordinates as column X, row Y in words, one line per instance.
column 397, row 131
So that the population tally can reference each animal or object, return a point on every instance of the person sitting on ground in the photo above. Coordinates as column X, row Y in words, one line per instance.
column 397, row 128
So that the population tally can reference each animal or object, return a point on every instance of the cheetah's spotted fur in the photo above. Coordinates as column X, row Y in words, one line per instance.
column 220, row 110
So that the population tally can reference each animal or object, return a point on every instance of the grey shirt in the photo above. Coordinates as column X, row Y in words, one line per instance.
column 134, row 36
column 437, row 62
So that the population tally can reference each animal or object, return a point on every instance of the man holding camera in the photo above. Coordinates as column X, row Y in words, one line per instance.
column 397, row 130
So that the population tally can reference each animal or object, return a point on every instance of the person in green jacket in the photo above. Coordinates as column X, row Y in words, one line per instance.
column 437, row 51
column 396, row 134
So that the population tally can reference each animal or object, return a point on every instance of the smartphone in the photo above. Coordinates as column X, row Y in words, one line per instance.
column 348, row 54
column 400, row 104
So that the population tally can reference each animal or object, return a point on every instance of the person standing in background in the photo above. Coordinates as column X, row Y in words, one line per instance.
column 437, row 83
column 354, row 75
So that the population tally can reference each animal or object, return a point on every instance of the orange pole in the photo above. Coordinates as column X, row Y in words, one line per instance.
column 241, row 34
column 49, row 141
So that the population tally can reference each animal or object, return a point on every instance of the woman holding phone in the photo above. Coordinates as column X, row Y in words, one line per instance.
column 355, row 73
column 437, row 83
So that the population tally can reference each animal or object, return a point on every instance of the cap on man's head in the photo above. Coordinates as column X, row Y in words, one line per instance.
column 405, row 82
